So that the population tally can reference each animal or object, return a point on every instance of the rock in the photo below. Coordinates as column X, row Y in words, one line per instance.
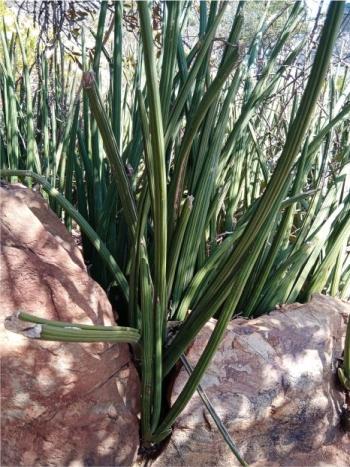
column 62, row 404
column 272, row 382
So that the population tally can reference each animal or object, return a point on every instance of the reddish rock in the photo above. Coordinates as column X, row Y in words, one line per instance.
column 272, row 382
column 62, row 404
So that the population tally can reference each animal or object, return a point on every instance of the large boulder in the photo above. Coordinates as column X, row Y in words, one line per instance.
column 62, row 404
column 272, row 382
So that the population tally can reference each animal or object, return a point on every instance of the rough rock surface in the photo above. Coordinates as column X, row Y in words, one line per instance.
column 62, row 404
column 272, row 382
